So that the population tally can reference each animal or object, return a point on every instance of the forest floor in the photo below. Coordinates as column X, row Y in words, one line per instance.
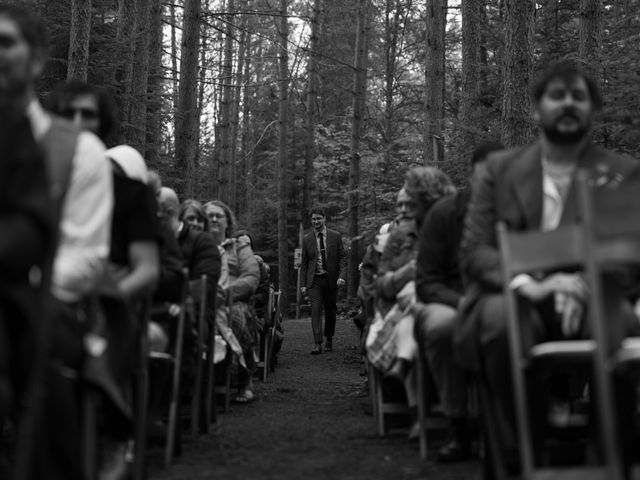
column 308, row 422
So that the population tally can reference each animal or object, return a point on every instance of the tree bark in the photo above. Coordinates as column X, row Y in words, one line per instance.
column 283, row 174
column 235, row 119
column 79, row 36
column 187, row 122
column 125, row 39
column 434, row 82
column 590, row 49
column 471, row 12
column 154, row 87
column 136, row 135
column 392, row 23
column 517, row 69
column 225, row 110
column 312, row 115
column 359, row 89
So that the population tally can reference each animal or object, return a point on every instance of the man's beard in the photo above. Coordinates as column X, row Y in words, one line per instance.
column 566, row 138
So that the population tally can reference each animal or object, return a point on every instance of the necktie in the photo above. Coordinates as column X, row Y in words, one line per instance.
column 322, row 252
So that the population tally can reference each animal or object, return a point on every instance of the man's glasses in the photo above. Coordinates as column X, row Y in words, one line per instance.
column 216, row 215
column 84, row 112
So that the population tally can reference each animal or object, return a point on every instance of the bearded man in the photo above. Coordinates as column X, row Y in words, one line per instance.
column 531, row 188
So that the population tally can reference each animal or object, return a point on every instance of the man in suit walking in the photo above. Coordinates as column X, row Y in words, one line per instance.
column 322, row 270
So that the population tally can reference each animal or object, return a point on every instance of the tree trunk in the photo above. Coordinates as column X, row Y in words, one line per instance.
column 312, row 115
column 469, row 106
column 359, row 89
column 225, row 110
column 139, row 80
column 392, row 22
column 125, row 39
column 187, row 122
column 79, row 40
column 590, row 49
column 154, row 87
column 174, row 54
column 235, row 119
column 434, row 82
column 517, row 69
column 283, row 174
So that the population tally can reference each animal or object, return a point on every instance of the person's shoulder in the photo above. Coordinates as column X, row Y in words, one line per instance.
column 501, row 160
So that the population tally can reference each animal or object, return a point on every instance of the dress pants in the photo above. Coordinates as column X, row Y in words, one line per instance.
column 322, row 295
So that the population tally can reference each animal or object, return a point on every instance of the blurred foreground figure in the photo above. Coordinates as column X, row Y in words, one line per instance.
column 530, row 188
column 79, row 182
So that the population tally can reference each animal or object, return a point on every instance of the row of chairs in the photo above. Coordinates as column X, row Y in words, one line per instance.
column 201, row 411
column 606, row 236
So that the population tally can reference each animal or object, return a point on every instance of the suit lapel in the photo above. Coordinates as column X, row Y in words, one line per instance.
column 526, row 184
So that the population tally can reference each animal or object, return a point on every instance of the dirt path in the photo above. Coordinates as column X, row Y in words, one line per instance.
column 307, row 423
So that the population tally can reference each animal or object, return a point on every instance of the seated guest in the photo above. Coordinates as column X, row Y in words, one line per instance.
column 199, row 252
column 260, row 298
column 169, row 285
column 135, row 234
column 368, row 273
column 531, row 188
column 396, row 274
column 243, row 280
column 88, row 107
column 28, row 240
column 192, row 213
column 439, row 288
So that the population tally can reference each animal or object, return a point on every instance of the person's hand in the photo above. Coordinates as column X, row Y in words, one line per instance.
column 340, row 282
column 570, row 310
column 571, row 284
column 303, row 291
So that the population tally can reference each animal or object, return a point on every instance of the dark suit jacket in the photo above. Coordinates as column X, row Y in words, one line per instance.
column 508, row 188
column 438, row 273
column 335, row 253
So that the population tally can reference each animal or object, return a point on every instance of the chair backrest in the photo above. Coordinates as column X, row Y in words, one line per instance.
column 607, row 232
column 198, row 294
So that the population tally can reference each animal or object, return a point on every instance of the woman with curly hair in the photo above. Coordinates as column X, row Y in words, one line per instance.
column 391, row 346
column 241, row 283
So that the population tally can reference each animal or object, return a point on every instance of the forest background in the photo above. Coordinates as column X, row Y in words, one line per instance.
column 276, row 105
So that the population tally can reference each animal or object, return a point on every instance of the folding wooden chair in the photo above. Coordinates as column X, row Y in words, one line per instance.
column 426, row 399
column 265, row 339
column 173, row 445
column 590, row 246
column 197, row 305
column 383, row 406
column 274, row 330
column 611, row 217
column 141, row 394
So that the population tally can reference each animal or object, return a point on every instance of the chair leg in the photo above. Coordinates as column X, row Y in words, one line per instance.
column 422, row 406
column 493, row 465
column 209, row 397
column 266, row 355
column 89, row 433
column 139, row 467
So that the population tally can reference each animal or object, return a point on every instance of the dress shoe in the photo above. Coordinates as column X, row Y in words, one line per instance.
column 317, row 349
column 454, row 451
column 328, row 345
column 458, row 447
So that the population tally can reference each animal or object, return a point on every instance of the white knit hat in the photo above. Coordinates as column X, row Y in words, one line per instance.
column 131, row 162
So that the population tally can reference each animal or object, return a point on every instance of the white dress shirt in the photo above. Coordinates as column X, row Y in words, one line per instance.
column 85, row 220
